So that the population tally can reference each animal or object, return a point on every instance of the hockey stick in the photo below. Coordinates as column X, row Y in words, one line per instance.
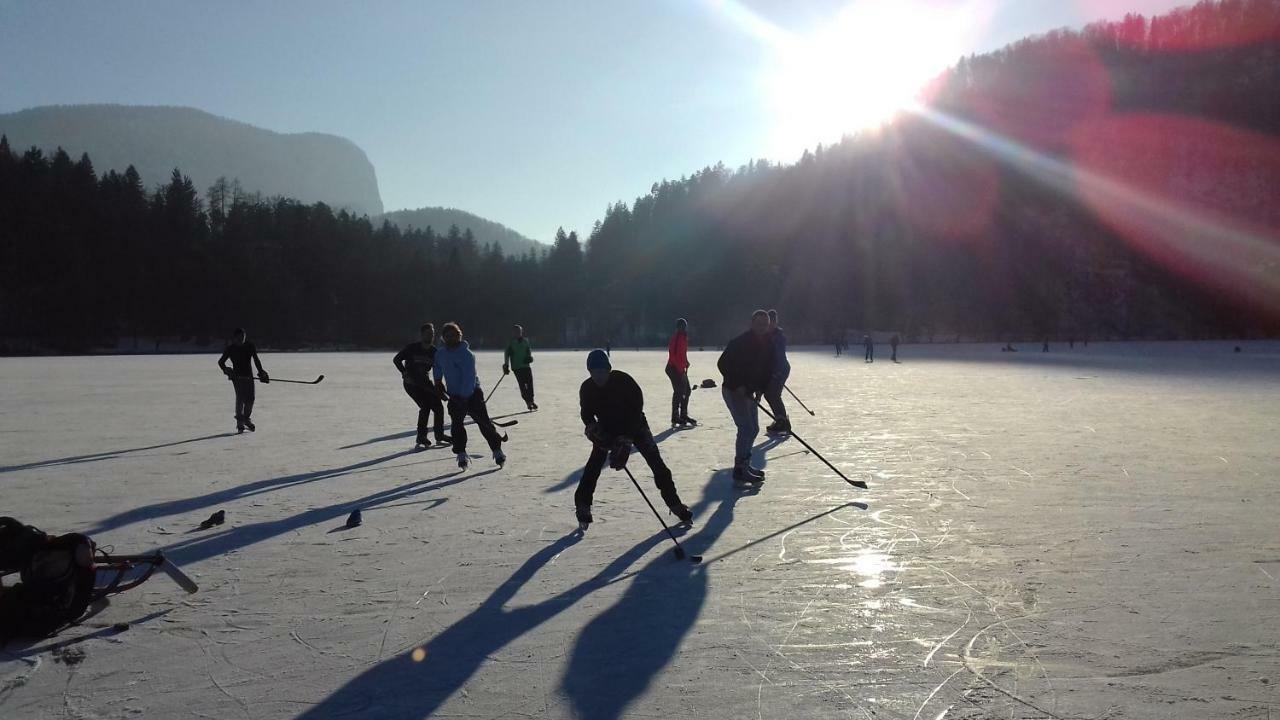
column 679, row 551
column 855, row 483
column 806, row 407
column 495, row 387
column 271, row 380
column 157, row 560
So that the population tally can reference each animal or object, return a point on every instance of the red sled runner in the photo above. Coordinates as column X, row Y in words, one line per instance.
column 59, row 577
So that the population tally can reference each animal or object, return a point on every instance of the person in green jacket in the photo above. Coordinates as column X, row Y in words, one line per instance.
column 517, row 358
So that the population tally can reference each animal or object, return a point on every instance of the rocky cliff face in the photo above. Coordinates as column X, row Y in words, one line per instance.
column 311, row 167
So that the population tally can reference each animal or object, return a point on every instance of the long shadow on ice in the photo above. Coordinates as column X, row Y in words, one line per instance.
column 106, row 455
column 621, row 651
column 177, row 507
column 659, row 607
column 235, row 538
column 401, row 687
column 410, row 433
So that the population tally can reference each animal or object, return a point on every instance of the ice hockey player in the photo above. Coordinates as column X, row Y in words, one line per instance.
column 678, row 373
column 517, row 358
column 240, row 352
column 455, row 374
column 746, row 366
column 781, row 370
column 613, row 415
column 415, row 363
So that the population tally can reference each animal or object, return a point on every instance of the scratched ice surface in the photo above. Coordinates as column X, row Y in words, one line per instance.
column 1088, row 533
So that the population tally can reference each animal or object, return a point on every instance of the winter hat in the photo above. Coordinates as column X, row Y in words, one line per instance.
column 598, row 360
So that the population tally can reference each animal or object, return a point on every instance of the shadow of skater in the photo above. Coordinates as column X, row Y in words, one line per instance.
column 411, row 433
column 402, row 687
column 233, row 538
column 176, row 507
column 107, row 455
column 621, row 651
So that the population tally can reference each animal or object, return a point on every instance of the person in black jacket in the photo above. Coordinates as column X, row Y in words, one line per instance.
column 415, row 362
column 240, row 352
column 747, row 365
column 613, row 413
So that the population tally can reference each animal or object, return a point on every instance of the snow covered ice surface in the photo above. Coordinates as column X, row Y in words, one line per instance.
column 1087, row 533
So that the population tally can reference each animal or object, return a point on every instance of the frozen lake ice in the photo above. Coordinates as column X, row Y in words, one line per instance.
column 1085, row 533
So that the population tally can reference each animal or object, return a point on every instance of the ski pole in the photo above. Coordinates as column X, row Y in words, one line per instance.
column 495, row 387
column 855, row 483
column 679, row 551
column 806, row 407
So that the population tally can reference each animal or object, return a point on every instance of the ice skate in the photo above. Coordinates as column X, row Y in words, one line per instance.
column 463, row 460
column 583, row 513
column 499, row 457
column 682, row 511
column 742, row 476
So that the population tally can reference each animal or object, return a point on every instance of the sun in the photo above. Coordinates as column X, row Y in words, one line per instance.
column 858, row 71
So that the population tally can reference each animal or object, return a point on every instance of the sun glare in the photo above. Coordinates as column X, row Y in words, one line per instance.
column 859, row 70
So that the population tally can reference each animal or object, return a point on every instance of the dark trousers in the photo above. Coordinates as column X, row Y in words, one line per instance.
column 524, row 378
column 244, row 398
column 648, row 448
column 871, row 353
column 679, row 392
column 428, row 402
column 773, row 395
column 459, row 409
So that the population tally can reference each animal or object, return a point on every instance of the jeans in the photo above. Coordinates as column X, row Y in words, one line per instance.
column 746, row 415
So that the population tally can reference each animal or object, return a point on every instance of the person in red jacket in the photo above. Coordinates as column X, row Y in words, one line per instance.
column 678, row 372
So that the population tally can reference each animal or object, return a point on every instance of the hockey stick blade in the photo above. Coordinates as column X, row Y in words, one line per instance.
column 506, row 424
column 175, row 573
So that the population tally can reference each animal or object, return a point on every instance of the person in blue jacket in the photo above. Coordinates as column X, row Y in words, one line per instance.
column 455, row 375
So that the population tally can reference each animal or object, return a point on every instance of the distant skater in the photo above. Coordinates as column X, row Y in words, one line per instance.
column 455, row 374
column 416, row 363
column 240, row 352
column 869, row 348
column 780, row 370
column 838, row 347
column 517, row 358
column 893, row 347
column 612, row 408
column 678, row 374
column 745, row 365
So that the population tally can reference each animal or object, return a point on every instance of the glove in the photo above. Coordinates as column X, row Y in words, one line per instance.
column 228, row 372
column 596, row 436
column 619, row 454
column 262, row 375
column 505, row 370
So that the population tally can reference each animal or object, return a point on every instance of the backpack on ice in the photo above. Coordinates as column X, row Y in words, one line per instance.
column 60, row 577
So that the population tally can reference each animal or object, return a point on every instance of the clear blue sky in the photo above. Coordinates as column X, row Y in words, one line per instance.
column 533, row 114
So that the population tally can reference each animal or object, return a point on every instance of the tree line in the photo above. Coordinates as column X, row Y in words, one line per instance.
column 912, row 228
